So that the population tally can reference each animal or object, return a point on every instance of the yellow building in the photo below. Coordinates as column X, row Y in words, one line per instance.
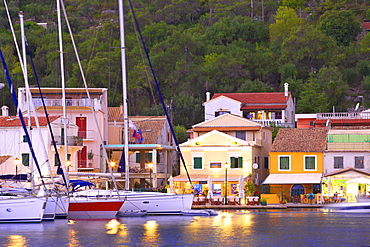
column 224, row 151
column 297, row 164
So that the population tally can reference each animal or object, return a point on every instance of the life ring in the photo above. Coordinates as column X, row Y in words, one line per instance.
column 305, row 200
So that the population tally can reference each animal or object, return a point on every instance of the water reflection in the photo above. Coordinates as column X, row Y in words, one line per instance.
column 16, row 241
column 73, row 237
column 151, row 235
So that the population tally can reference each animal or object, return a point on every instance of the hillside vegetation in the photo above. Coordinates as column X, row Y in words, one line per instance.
column 201, row 45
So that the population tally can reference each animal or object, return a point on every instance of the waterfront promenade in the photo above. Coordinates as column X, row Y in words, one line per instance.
column 268, row 206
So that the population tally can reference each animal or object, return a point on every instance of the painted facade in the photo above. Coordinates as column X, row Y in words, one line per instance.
column 296, row 163
column 89, row 116
column 275, row 108
column 222, row 150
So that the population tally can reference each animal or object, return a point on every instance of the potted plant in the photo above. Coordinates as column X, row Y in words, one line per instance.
column 263, row 201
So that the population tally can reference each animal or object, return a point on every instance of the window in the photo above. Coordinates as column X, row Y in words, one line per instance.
column 338, row 162
column 359, row 162
column 197, row 163
column 236, row 162
column 266, row 162
column 215, row 165
column 241, row 135
column 26, row 159
column 24, row 138
column 310, row 163
column 219, row 113
column 148, row 157
column 284, row 163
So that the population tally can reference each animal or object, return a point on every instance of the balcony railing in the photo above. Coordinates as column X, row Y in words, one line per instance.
column 343, row 115
column 71, row 140
column 69, row 102
column 348, row 146
column 86, row 134
column 274, row 122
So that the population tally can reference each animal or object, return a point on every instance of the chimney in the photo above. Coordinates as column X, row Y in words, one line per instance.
column 5, row 111
column 208, row 96
column 286, row 86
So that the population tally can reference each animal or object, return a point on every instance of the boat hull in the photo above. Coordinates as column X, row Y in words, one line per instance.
column 21, row 210
column 61, row 211
column 80, row 208
column 150, row 202
column 350, row 207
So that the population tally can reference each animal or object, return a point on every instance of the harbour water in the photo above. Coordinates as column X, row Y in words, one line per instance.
column 289, row 227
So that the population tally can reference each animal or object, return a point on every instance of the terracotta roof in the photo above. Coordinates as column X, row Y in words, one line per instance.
column 4, row 158
column 366, row 25
column 115, row 113
column 346, row 170
column 14, row 121
column 300, row 140
column 256, row 98
column 150, row 128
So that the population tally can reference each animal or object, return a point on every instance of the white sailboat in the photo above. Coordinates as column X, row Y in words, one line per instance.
column 149, row 202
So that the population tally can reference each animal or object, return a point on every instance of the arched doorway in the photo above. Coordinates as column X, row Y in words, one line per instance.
column 296, row 192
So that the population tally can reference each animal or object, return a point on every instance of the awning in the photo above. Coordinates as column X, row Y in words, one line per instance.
column 294, row 178
column 205, row 177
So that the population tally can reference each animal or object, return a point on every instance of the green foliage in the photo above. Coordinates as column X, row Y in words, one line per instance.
column 341, row 25
column 181, row 134
column 198, row 46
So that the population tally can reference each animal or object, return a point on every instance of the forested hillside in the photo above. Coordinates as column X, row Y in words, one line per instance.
column 201, row 45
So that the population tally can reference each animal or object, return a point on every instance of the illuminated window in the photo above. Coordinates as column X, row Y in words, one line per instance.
column 359, row 162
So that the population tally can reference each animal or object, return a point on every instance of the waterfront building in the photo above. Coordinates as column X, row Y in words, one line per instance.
column 222, row 150
column 296, row 163
column 270, row 108
column 152, row 155
column 92, row 130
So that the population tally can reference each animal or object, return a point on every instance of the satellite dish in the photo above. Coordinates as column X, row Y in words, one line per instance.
column 357, row 106
column 255, row 166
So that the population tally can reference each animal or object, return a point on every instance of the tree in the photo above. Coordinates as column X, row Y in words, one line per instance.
column 341, row 25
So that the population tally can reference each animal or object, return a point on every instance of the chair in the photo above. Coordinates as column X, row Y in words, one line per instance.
column 250, row 201
column 256, row 200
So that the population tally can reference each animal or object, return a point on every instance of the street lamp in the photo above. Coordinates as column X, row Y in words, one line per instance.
column 226, row 166
column 112, row 164
column 150, row 165
column 68, row 164
column 16, row 163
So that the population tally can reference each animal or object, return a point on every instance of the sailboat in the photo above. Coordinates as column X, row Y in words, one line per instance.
column 149, row 202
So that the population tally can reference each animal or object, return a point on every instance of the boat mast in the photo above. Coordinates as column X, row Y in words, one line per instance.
column 63, row 90
column 124, row 88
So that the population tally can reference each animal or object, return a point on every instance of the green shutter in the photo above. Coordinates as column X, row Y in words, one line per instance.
column 137, row 157
column 198, row 163
column 240, row 162
column 26, row 159
column 232, row 162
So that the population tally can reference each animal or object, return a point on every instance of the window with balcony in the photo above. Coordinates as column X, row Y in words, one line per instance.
column 359, row 162
column 338, row 162
column 284, row 162
column 310, row 162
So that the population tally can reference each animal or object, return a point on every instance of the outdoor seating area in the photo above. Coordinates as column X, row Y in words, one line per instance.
column 216, row 200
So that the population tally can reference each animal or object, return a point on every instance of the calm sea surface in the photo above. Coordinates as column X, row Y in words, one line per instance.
column 229, row 228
